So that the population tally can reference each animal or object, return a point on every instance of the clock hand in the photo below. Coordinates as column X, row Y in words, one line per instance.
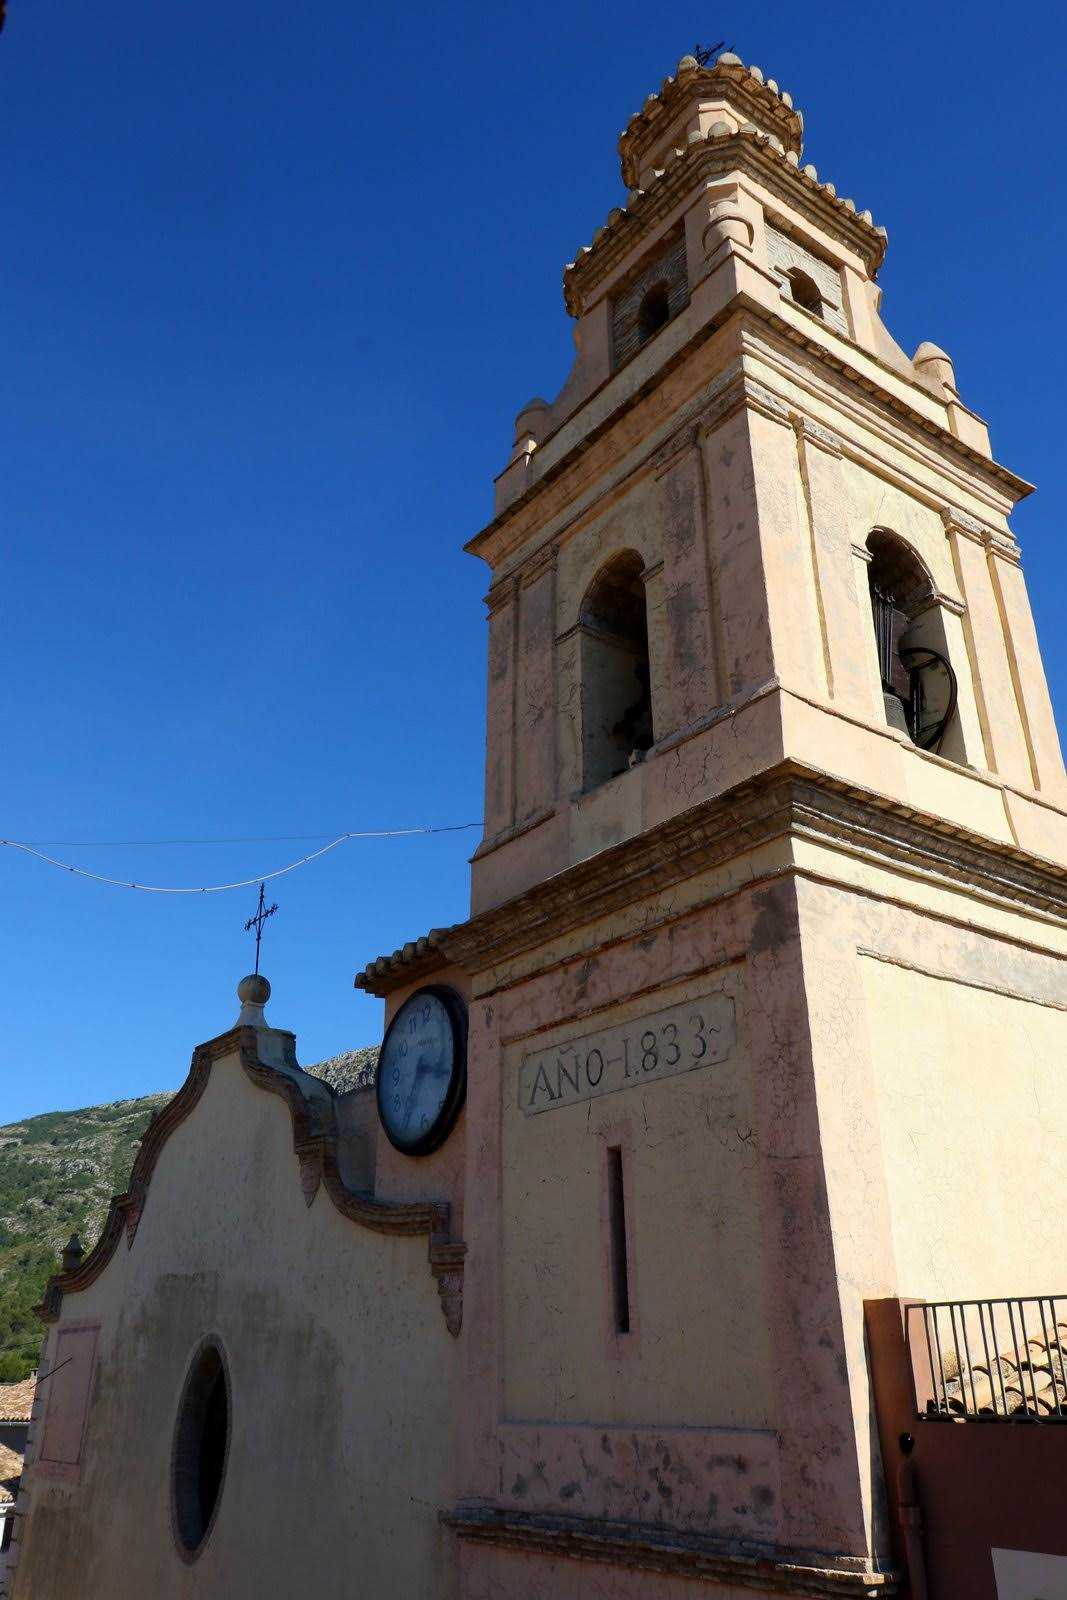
column 421, row 1066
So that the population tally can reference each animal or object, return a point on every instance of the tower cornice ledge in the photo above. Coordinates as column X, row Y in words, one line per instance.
column 787, row 800
column 511, row 527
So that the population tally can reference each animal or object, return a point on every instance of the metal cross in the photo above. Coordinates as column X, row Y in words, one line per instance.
column 703, row 56
column 262, row 913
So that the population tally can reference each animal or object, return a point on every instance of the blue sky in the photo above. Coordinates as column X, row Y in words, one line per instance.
column 274, row 282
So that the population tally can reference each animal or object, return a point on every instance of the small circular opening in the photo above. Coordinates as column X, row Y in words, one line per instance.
column 654, row 311
column 201, row 1442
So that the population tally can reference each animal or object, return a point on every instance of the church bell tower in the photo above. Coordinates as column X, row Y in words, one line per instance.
column 769, row 917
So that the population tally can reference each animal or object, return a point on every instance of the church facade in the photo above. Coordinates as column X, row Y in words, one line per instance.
column 758, row 1018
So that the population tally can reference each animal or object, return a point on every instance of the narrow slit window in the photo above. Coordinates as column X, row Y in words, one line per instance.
column 620, row 1276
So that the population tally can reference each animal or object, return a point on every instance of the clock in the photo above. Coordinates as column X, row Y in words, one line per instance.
column 422, row 1070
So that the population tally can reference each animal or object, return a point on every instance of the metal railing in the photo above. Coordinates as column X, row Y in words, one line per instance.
column 994, row 1360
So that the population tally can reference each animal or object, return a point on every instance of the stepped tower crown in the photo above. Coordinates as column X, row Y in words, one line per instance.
column 692, row 101
column 745, row 494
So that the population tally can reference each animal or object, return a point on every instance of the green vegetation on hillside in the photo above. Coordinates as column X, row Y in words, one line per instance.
column 57, row 1174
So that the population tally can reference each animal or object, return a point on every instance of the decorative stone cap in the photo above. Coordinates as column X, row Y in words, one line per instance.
column 745, row 90
column 276, row 1046
column 72, row 1253
column 253, row 993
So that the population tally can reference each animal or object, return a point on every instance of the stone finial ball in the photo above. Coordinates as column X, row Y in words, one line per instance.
column 253, row 990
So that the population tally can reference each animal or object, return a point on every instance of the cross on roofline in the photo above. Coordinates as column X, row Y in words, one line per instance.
column 256, row 922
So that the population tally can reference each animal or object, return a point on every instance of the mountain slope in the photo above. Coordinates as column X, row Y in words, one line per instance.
column 58, row 1172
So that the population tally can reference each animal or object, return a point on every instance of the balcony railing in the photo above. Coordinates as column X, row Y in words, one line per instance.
column 993, row 1360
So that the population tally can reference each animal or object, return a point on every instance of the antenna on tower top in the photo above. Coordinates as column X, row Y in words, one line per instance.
column 702, row 56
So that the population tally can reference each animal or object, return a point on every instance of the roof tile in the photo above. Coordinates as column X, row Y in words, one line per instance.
column 16, row 1399
column 10, row 1472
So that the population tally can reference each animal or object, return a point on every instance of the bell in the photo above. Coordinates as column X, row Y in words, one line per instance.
column 894, row 712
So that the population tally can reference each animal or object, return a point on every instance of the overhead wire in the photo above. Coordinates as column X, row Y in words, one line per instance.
column 243, row 883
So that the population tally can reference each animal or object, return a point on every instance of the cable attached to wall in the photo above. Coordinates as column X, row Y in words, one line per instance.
column 244, row 883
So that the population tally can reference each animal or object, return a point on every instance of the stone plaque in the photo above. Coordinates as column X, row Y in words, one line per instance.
column 692, row 1034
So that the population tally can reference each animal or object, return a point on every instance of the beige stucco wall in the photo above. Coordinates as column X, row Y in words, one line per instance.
column 342, row 1372
column 890, row 1047
column 700, row 1356
column 972, row 1102
column 936, row 1025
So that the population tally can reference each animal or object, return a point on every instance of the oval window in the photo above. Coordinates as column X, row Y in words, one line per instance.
column 201, row 1441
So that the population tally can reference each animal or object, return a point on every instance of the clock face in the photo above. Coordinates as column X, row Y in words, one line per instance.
column 422, row 1071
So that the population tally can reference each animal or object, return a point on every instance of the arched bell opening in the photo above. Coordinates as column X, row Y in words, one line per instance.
column 615, row 674
column 919, row 687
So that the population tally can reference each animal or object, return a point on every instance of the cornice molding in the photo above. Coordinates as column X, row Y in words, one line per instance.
column 701, row 161
column 503, row 593
column 786, row 800
column 514, row 830
column 315, row 1146
column 943, row 602
column 556, row 488
column 991, row 539
column 1017, row 487
column 814, row 433
column 647, row 1548
column 542, row 561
